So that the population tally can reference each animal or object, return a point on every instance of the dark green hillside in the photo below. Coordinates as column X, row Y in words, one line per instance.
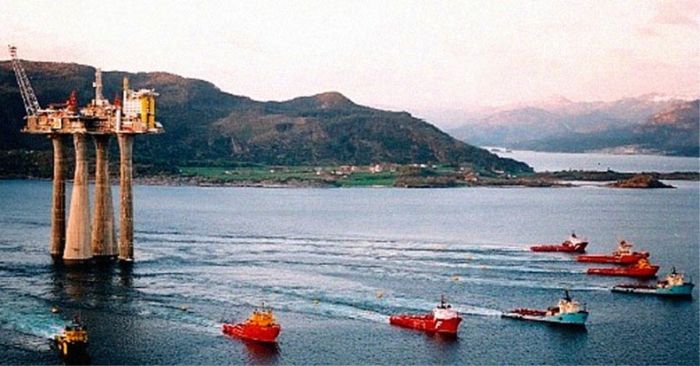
column 330, row 129
column 207, row 126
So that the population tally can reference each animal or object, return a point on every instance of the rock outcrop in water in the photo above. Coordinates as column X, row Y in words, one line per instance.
column 640, row 181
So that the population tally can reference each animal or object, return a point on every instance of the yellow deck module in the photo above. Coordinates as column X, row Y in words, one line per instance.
column 148, row 110
column 152, row 112
column 144, row 109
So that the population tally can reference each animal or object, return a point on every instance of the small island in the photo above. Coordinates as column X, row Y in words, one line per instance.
column 640, row 181
column 395, row 175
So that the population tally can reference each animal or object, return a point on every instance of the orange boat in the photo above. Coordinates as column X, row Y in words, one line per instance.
column 443, row 319
column 622, row 255
column 642, row 269
column 572, row 245
column 261, row 326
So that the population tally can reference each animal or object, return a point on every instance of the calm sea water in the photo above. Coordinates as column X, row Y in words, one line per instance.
column 547, row 161
column 334, row 263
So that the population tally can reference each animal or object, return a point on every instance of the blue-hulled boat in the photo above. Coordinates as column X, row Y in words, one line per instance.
column 674, row 285
column 567, row 312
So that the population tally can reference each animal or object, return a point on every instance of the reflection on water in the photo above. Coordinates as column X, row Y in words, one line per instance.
column 444, row 340
column 444, row 347
column 261, row 353
column 91, row 284
column 79, row 289
column 81, row 358
column 568, row 331
column 126, row 271
column 321, row 257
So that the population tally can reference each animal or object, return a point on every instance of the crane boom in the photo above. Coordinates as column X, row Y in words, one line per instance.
column 31, row 104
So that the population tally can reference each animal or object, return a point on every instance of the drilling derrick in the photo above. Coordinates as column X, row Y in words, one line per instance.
column 58, row 201
column 81, row 239
column 31, row 104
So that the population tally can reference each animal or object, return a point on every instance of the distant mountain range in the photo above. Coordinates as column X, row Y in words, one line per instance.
column 629, row 125
column 207, row 126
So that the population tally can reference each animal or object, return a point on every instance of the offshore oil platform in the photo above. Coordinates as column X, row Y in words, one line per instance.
column 81, row 240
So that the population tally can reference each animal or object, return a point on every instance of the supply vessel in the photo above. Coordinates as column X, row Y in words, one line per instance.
column 641, row 269
column 674, row 285
column 261, row 326
column 73, row 341
column 573, row 244
column 622, row 255
column 567, row 312
column 443, row 319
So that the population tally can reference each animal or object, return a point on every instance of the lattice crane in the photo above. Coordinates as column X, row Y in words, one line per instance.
column 31, row 104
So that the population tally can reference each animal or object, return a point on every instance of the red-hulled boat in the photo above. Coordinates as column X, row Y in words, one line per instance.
column 261, row 326
column 443, row 319
column 622, row 255
column 642, row 269
column 572, row 245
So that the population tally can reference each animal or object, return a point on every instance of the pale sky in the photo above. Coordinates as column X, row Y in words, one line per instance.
column 403, row 55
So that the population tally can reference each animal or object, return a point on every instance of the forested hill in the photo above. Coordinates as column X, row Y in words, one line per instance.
column 204, row 124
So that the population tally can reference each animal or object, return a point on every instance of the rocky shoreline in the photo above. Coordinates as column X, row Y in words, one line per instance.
column 164, row 180
column 539, row 180
column 640, row 181
column 561, row 179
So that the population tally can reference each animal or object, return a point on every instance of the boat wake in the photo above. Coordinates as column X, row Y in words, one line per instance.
column 39, row 325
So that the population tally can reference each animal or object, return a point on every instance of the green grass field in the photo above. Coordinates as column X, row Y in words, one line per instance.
column 290, row 173
column 365, row 179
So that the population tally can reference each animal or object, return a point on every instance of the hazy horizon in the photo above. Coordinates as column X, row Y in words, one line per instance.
column 426, row 58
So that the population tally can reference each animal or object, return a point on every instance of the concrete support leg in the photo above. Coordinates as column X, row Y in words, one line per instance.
column 104, row 245
column 78, row 231
column 126, row 210
column 58, row 202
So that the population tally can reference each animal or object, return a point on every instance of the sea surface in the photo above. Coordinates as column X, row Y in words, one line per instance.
column 548, row 161
column 335, row 263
